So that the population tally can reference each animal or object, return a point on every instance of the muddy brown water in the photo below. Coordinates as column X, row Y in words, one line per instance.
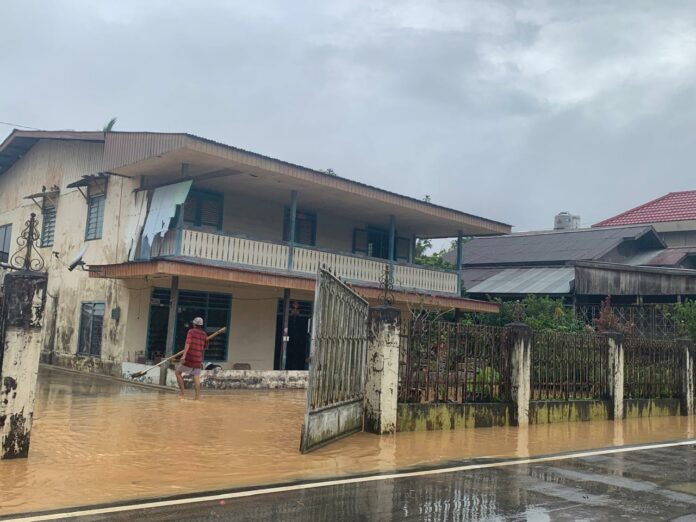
column 96, row 440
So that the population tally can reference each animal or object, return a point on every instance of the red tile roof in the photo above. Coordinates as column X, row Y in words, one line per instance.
column 675, row 206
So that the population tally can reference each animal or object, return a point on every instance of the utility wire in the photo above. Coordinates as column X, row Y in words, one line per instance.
column 10, row 124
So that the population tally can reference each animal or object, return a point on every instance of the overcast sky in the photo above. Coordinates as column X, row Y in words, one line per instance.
column 510, row 110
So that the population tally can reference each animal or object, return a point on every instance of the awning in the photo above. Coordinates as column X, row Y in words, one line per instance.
column 527, row 281
column 163, row 208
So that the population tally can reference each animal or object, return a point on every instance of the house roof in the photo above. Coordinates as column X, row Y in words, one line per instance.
column 551, row 247
column 139, row 153
column 671, row 256
column 675, row 206
column 558, row 280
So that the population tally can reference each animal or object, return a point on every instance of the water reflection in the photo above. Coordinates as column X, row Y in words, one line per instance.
column 96, row 440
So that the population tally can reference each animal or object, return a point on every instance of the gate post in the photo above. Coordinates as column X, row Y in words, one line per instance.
column 520, row 370
column 381, row 390
column 615, row 373
column 686, row 347
column 25, row 296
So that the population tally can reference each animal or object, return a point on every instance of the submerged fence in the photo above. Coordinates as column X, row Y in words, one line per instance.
column 448, row 362
column 568, row 366
column 451, row 363
column 652, row 368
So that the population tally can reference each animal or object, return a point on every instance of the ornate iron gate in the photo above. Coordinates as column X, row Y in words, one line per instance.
column 337, row 364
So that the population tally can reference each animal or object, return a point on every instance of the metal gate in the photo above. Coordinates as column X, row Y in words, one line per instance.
column 337, row 364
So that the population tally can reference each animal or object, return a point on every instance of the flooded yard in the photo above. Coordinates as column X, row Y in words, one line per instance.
column 97, row 440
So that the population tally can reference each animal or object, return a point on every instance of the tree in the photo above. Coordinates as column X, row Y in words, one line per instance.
column 110, row 125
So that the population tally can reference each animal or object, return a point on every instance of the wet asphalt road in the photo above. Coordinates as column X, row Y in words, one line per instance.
column 653, row 484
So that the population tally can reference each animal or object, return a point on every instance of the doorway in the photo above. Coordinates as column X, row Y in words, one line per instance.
column 299, row 331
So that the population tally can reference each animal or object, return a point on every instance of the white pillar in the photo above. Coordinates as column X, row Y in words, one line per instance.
column 520, row 367
column 615, row 373
column 687, row 396
column 21, row 351
column 381, row 389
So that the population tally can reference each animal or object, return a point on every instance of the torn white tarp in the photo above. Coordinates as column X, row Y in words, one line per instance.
column 136, row 220
column 163, row 208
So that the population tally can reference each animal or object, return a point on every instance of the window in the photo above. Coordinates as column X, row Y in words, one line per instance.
column 374, row 242
column 305, row 227
column 214, row 308
column 91, row 326
column 48, row 225
column 203, row 209
column 95, row 216
column 5, row 240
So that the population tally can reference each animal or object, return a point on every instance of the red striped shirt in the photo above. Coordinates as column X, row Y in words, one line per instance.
column 198, row 342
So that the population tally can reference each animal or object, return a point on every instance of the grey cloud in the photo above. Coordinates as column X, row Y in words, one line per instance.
column 512, row 110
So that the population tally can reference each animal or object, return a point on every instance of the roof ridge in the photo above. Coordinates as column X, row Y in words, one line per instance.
column 617, row 216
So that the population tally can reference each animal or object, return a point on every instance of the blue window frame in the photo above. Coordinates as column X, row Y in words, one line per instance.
column 305, row 227
column 48, row 226
column 5, row 242
column 204, row 209
column 95, row 216
column 91, row 328
column 214, row 308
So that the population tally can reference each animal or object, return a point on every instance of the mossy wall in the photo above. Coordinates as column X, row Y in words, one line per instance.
column 547, row 412
column 428, row 417
column 651, row 408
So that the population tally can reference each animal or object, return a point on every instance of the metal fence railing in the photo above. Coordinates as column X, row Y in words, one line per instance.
column 448, row 362
column 654, row 321
column 652, row 368
column 567, row 366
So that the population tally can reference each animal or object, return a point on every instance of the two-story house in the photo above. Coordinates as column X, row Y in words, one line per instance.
column 175, row 220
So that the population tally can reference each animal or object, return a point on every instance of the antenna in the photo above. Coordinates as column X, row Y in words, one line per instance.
column 77, row 260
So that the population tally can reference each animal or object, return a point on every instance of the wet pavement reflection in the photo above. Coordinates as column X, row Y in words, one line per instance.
column 97, row 440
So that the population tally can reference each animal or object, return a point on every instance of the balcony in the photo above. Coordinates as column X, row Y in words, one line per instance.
column 241, row 252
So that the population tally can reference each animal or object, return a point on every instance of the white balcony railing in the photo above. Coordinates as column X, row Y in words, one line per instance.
column 307, row 261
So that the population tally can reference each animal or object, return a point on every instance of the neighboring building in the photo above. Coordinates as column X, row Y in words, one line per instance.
column 673, row 216
column 583, row 266
column 241, row 235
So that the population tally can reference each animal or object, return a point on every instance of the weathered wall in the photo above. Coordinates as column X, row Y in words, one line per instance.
column 650, row 408
column 547, row 412
column 60, row 163
column 429, row 417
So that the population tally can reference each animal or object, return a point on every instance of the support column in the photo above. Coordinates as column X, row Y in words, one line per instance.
column 171, row 327
column 286, row 336
column 25, row 296
column 687, row 394
column 382, row 386
column 460, row 235
column 392, row 238
column 520, row 367
column 291, row 232
column 615, row 373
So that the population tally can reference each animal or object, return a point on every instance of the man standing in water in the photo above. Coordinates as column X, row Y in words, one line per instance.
column 192, row 359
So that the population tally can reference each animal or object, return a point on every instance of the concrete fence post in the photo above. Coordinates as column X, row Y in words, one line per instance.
column 615, row 373
column 25, row 295
column 381, row 390
column 520, row 368
column 686, row 347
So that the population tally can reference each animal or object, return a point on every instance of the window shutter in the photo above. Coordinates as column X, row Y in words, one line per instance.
column 48, row 226
column 211, row 212
column 403, row 247
column 360, row 241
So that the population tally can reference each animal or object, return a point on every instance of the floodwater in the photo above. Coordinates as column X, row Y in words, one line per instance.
column 97, row 440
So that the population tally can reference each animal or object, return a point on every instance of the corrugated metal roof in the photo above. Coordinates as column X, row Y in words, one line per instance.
column 557, row 246
column 527, row 281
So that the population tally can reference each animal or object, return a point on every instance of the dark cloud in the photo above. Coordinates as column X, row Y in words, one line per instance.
column 511, row 110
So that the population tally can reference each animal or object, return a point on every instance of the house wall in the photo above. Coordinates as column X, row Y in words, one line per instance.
column 253, row 318
column 262, row 219
column 53, row 162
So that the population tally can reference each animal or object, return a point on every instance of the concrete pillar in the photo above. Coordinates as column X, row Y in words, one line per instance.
column 520, row 368
column 687, row 396
column 169, row 348
column 382, row 386
column 615, row 373
column 25, row 294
